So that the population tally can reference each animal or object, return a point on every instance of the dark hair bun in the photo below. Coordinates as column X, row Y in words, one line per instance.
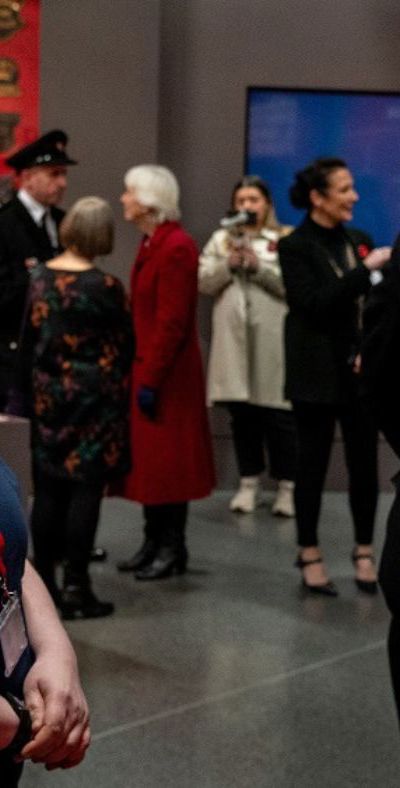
column 315, row 176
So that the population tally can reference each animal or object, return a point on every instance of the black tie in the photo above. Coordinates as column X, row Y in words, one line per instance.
column 45, row 235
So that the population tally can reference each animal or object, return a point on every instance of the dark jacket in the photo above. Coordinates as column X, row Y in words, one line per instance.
column 380, row 349
column 321, row 331
column 20, row 239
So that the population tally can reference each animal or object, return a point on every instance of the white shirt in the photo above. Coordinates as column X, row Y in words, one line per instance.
column 36, row 210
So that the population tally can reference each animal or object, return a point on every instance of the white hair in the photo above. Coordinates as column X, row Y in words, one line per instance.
column 155, row 187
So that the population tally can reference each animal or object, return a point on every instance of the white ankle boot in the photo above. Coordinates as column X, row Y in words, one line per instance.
column 245, row 499
column 283, row 505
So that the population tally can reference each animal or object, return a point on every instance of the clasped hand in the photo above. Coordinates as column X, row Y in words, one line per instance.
column 59, row 712
column 244, row 258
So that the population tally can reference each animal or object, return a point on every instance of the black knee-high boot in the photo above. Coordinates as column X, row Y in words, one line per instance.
column 171, row 556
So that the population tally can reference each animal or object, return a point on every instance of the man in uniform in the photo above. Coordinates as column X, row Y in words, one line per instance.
column 28, row 234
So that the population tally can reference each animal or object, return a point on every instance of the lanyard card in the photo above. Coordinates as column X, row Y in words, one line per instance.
column 13, row 637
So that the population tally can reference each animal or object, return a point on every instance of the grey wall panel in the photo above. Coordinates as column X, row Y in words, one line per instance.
column 211, row 50
column 99, row 81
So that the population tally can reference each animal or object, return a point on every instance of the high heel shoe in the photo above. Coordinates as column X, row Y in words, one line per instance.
column 325, row 589
column 368, row 586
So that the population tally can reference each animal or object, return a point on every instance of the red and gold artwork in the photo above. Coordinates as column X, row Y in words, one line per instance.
column 19, row 81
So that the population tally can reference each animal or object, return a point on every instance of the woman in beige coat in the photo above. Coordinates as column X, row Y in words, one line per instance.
column 239, row 267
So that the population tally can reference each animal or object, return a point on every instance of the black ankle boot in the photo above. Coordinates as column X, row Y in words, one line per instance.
column 143, row 557
column 167, row 562
column 79, row 601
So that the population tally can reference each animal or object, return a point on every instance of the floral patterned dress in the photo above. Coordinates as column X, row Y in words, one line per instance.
column 81, row 336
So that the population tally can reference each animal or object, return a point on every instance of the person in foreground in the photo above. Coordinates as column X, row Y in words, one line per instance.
column 81, row 337
column 171, row 456
column 240, row 268
column 326, row 269
column 43, row 711
column 381, row 383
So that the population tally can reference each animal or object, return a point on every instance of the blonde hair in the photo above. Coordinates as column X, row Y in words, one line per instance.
column 157, row 188
column 88, row 227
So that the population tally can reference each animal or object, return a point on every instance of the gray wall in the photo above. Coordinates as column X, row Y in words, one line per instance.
column 211, row 50
column 99, row 82
column 137, row 80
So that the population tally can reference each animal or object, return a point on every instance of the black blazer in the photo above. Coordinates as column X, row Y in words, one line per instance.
column 380, row 349
column 20, row 238
column 321, row 330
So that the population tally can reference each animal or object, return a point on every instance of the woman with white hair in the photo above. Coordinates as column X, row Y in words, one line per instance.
column 171, row 446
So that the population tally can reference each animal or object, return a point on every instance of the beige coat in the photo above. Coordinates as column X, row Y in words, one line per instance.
column 246, row 355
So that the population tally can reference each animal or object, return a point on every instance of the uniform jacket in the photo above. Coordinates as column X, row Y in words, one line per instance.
column 20, row 239
column 246, row 354
column 171, row 455
column 321, row 332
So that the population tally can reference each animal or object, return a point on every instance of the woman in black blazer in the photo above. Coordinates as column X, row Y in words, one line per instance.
column 326, row 269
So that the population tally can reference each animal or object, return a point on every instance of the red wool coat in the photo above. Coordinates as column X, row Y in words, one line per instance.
column 172, row 455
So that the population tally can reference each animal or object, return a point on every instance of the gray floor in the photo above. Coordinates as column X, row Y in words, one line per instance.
column 228, row 676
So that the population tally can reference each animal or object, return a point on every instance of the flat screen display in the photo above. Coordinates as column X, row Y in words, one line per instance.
column 287, row 128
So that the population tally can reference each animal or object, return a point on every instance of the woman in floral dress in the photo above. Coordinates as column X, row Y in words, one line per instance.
column 82, row 347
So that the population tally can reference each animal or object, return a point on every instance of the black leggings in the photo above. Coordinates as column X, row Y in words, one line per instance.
column 64, row 521
column 315, row 429
column 255, row 428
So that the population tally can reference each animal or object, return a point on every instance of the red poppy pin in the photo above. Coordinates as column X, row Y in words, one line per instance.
column 272, row 246
column 363, row 251
column 3, row 570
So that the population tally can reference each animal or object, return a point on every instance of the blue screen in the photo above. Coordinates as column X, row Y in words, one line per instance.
column 286, row 129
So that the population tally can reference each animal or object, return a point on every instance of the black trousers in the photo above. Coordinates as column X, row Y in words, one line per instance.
column 165, row 523
column 254, row 429
column 389, row 578
column 389, row 570
column 315, row 429
column 64, row 520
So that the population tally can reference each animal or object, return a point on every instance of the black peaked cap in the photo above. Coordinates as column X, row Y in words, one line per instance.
column 48, row 150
